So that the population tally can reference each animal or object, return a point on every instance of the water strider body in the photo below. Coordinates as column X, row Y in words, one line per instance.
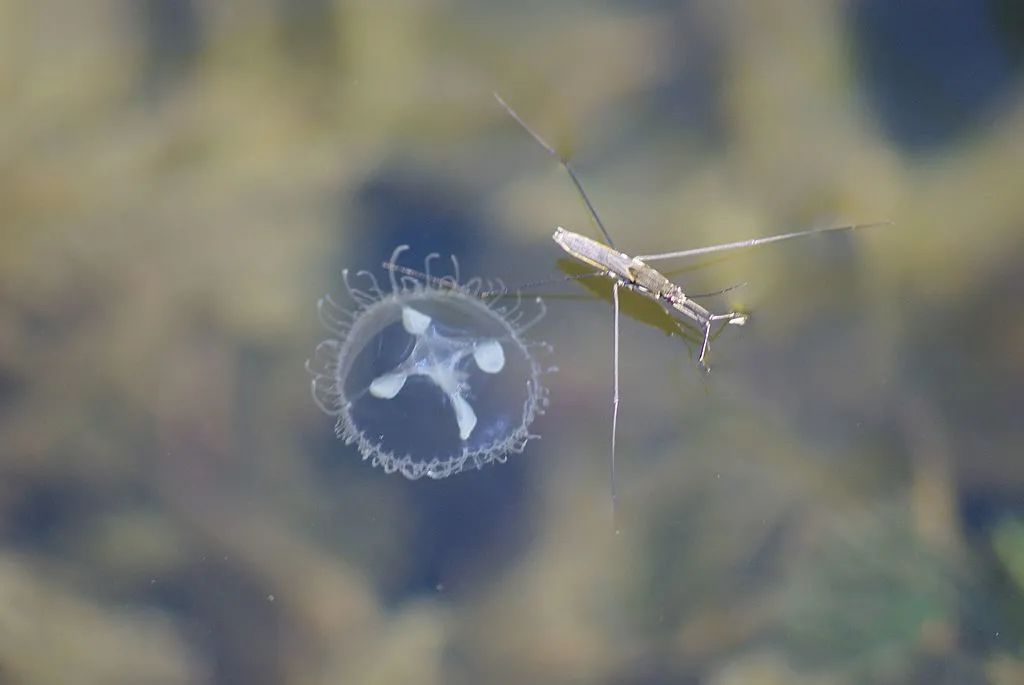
column 635, row 274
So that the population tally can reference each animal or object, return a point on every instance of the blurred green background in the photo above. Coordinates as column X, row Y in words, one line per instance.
column 840, row 501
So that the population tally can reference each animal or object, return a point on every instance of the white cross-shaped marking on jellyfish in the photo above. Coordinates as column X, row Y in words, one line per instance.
column 438, row 358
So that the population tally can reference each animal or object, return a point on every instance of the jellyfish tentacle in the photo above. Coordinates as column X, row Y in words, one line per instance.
column 455, row 269
column 542, row 310
column 374, row 284
column 473, row 286
column 331, row 319
column 338, row 310
column 426, row 263
column 361, row 298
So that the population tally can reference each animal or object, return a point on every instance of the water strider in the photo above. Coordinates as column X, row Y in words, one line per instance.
column 635, row 274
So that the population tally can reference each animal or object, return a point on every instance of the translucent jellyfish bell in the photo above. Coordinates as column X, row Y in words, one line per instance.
column 433, row 377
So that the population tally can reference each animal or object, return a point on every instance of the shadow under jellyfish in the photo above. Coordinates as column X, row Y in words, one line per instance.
column 434, row 377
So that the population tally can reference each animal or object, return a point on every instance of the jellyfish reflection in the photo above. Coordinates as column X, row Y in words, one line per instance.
column 433, row 377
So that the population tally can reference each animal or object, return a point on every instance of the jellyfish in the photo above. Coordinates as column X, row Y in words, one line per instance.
column 434, row 377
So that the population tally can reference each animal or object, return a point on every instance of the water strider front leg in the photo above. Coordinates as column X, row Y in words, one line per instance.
column 704, row 347
column 733, row 318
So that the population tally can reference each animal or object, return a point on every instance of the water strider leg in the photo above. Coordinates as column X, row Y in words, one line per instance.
column 704, row 347
column 565, row 165
column 734, row 318
column 615, row 407
column 754, row 242
column 720, row 291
